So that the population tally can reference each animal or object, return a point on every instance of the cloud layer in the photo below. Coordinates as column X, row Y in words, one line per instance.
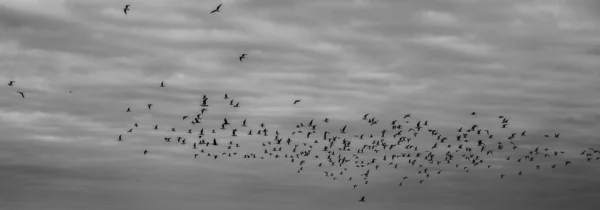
column 535, row 61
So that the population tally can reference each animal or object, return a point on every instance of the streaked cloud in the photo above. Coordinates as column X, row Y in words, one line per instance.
column 534, row 61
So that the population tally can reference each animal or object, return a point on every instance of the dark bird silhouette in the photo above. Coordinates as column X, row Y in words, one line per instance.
column 217, row 9
column 145, row 151
column 162, row 84
column 204, row 102
column 149, row 106
column 22, row 94
column 128, row 109
column 296, row 101
column 226, row 96
column 242, row 57
column 362, row 199
column 126, row 9
column 10, row 83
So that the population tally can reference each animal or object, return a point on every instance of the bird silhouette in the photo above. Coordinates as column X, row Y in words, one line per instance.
column 162, row 84
column 204, row 102
column 126, row 9
column 362, row 199
column 243, row 56
column 217, row 9
column 22, row 94
column 297, row 101
column 10, row 83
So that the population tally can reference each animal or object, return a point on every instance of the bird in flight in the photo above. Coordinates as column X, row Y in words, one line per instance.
column 126, row 8
column 10, row 83
column 362, row 199
column 149, row 106
column 243, row 56
column 204, row 102
column 22, row 94
column 296, row 101
column 145, row 151
column 217, row 9
column 162, row 84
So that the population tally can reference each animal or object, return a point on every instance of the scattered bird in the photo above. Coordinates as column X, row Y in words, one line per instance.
column 296, row 101
column 22, row 94
column 10, row 83
column 126, row 9
column 243, row 56
column 217, row 9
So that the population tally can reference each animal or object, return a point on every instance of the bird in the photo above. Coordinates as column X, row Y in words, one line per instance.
column 217, row 9
column 297, row 101
column 162, row 84
column 145, row 151
column 126, row 9
column 362, row 199
column 149, row 106
column 10, row 83
column 242, row 56
column 22, row 94
column 226, row 96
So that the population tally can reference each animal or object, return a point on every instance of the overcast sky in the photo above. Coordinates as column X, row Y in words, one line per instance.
column 536, row 62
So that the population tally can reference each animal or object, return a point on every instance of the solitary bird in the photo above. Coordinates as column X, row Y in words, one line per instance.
column 22, row 94
column 217, row 9
column 10, row 83
column 362, row 199
column 162, row 84
column 145, row 151
column 296, row 101
column 149, row 106
column 242, row 57
column 126, row 9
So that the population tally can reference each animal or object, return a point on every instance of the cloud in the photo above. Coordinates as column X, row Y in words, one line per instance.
column 81, row 64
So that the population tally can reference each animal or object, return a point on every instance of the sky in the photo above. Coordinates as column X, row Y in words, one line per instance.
column 82, row 63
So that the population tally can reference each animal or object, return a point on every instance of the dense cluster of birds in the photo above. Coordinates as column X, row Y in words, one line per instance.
column 354, row 156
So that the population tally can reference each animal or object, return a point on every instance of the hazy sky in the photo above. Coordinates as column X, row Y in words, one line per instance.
column 536, row 62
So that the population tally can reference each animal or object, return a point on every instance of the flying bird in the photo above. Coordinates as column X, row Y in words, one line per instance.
column 242, row 57
column 22, row 94
column 10, row 83
column 296, row 101
column 217, row 9
column 162, row 84
column 126, row 9
column 362, row 199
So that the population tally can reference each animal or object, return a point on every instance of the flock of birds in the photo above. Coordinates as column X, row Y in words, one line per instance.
column 355, row 156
